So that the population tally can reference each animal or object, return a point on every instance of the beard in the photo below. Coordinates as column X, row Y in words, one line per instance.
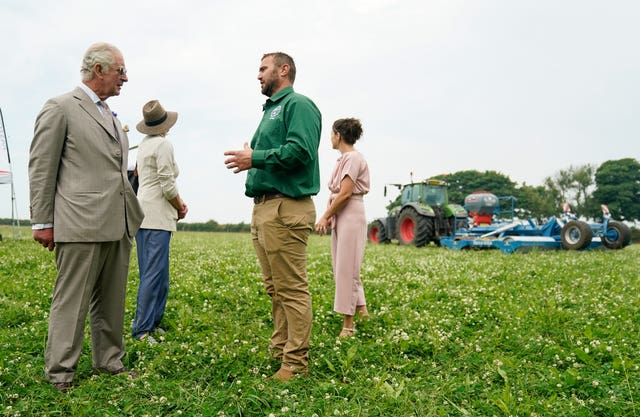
column 270, row 85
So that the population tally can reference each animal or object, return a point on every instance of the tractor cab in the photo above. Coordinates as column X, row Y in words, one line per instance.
column 431, row 193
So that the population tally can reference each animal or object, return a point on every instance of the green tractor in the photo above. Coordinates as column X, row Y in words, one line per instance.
column 421, row 214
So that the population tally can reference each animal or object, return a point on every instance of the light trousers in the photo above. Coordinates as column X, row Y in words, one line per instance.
column 280, row 229
column 92, row 278
column 348, row 241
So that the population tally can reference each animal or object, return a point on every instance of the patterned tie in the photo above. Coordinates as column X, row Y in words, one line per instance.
column 108, row 116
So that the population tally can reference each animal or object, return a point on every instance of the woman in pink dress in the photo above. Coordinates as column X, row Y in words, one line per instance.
column 345, row 215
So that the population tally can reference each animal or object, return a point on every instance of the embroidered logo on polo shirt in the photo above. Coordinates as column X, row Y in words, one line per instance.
column 275, row 112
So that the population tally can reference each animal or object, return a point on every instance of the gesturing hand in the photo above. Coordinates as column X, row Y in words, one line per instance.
column 239, row 160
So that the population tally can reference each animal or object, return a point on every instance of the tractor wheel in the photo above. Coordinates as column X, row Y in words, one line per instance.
column 576, row 235
column 413, row 228
column 617, row 235
column 377, row 233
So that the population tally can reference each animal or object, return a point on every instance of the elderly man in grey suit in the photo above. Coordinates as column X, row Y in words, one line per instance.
column 83, row 205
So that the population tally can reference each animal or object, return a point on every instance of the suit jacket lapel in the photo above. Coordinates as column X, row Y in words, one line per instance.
column 91, row 108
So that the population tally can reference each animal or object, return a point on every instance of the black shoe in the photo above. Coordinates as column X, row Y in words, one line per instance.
column 63, row 387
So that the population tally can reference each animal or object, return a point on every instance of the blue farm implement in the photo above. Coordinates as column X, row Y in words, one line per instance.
column 565, row 232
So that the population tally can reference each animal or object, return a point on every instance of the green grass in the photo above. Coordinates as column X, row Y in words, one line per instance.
column 475, row 333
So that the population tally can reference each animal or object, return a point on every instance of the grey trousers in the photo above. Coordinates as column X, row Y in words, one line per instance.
column 92, row 278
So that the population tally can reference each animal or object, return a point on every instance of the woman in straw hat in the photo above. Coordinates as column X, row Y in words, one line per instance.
column 163, row 207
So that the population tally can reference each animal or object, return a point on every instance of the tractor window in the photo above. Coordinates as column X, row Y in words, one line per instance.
column 424, row 193
column 417, row 194
column 435, row 196
column 406, row 194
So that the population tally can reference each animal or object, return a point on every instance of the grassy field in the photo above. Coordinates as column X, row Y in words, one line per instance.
column 475, row 333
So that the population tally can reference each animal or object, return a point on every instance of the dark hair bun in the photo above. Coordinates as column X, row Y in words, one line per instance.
column 350, row 129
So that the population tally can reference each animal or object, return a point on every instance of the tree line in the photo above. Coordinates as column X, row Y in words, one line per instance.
column 210, row 226
column 615, row 183
column 214, row 226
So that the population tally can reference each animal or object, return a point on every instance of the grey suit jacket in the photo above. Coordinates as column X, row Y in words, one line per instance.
column 78, row 173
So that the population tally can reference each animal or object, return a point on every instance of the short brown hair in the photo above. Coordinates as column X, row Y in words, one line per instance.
column 280, row 58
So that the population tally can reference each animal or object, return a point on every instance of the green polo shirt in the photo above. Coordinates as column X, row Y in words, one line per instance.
column 285, row 147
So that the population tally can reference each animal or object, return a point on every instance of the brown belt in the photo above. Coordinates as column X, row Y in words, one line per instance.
column 264, row 197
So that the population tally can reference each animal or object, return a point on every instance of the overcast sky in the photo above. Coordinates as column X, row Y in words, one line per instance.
column 525, row 88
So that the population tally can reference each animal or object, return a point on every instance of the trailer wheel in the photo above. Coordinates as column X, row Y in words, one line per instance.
column 413, row 228
column 617, row 235
column 377, row 233
column 576, row 235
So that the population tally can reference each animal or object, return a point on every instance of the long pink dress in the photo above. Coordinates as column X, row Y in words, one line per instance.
column 349, row 233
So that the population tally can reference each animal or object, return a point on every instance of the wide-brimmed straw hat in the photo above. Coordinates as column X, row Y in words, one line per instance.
column 156, row 119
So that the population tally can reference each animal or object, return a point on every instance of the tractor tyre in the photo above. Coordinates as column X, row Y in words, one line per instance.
column 576, row 235
column 377, row 233
column 413, row 228
column 617, row 235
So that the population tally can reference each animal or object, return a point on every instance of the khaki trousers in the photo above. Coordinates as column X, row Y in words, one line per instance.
column 92, row 277
column 280, row 229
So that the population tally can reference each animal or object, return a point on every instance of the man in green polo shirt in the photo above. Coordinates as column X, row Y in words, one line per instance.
column 283, row 175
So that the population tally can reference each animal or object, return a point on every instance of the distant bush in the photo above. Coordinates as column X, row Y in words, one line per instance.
column 9, row 222
column 213, row 226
